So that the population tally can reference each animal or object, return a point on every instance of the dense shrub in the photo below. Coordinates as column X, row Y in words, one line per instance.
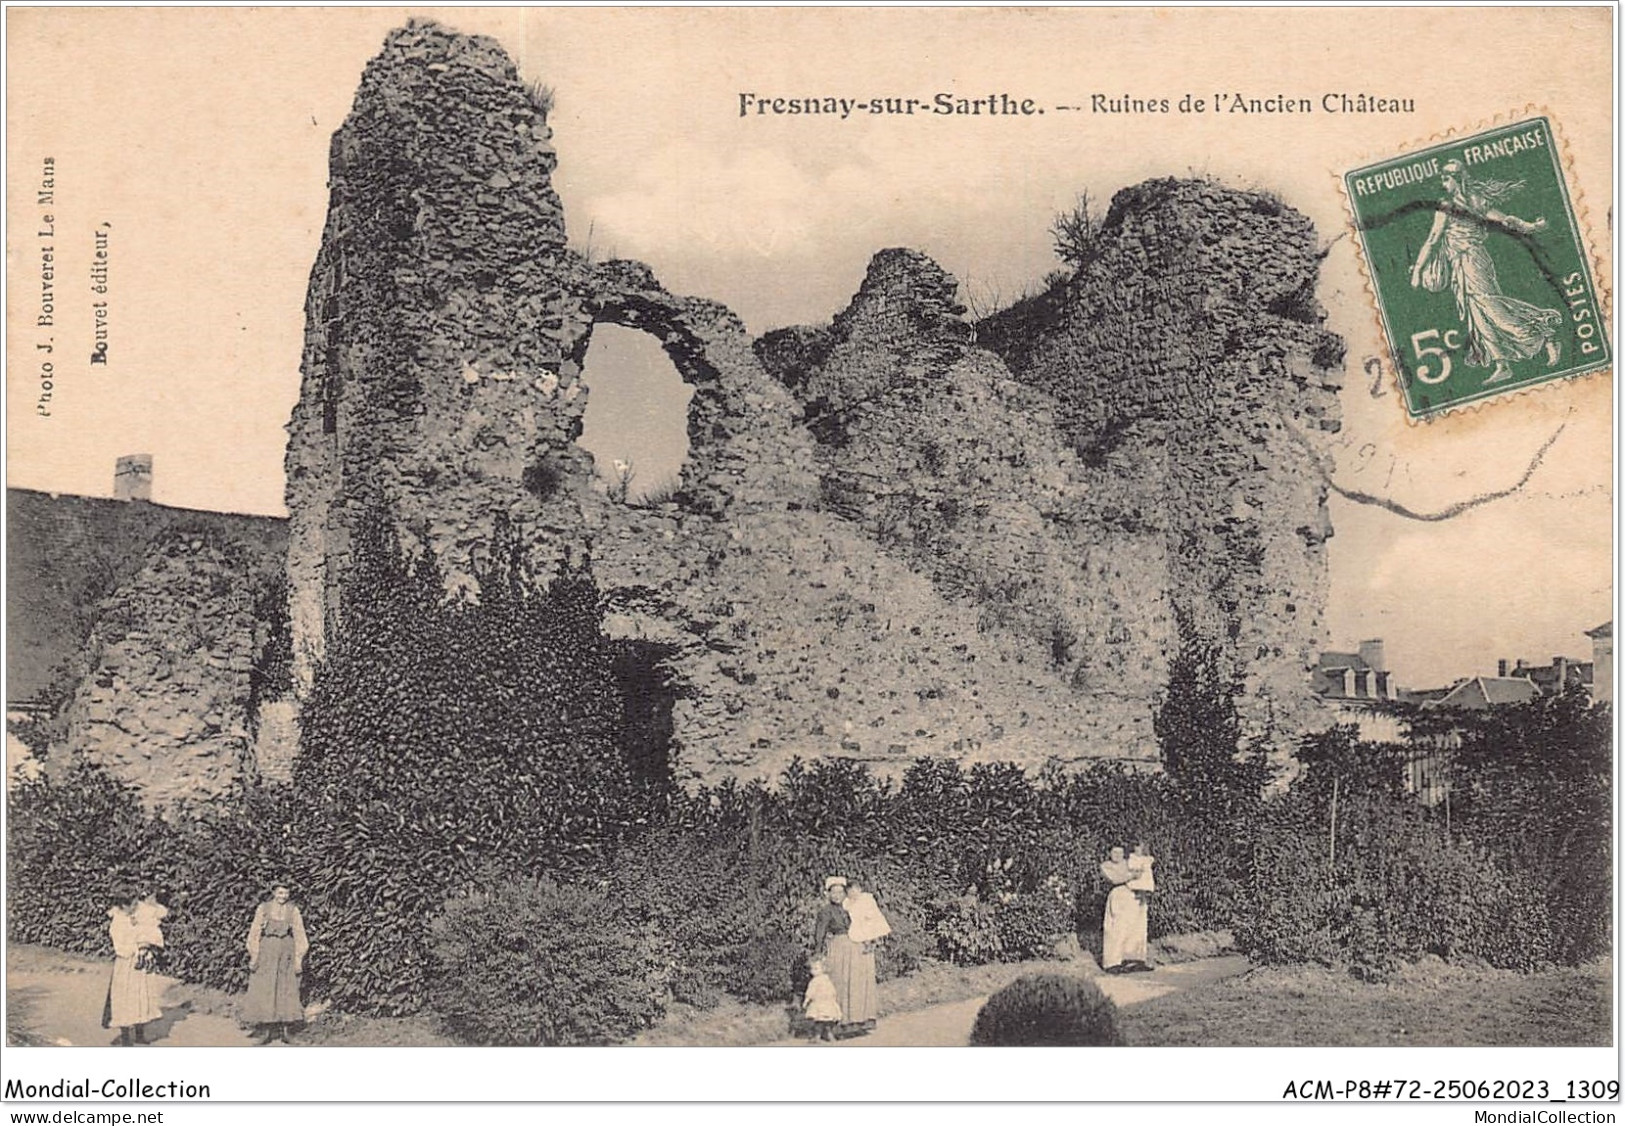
column 529, row 962
column 72, row 842
column 1030, row 922
column 222, row 862
column 739, row 908
column 457, row 747
column 1199, row 730
column 76, row 838
column 765, row 968
column 446, row 739
column 900, row 899
column 1533, row 784
column 1398, row 890
column 1047, row 1010
column 1009, row 928
column 966, row 930
column 450, row 735
column 734, row 912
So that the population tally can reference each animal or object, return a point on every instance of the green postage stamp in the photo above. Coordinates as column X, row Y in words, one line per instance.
column 1478, row 267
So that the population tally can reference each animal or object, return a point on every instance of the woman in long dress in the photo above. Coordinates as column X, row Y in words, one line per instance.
column 1123, row 930
column 276, row 959
column 1501, row 330
column 869, row 926
column 132, row 993
column 834, row 944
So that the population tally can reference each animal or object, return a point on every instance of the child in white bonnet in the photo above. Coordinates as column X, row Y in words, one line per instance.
column 868, row 923
column 820, row 1003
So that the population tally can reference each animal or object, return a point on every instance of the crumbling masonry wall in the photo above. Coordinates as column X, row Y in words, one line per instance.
column 150, row 639
column 168, row 697
column 1191, row 372
column 899, row 534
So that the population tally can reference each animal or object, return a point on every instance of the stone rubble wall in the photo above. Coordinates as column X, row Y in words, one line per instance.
column 145, row 637
column 64, row 554
column 166, row 700
column 1191, row 341
column 895, row 535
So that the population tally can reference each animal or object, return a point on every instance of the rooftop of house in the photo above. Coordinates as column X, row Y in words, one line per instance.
column 1547, row 677
column 1488, row 691
column 1426, row 695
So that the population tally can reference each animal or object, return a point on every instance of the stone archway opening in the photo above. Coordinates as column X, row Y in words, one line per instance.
column 648, row 696
column 636, row 422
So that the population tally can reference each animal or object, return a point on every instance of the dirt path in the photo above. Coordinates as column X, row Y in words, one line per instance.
column 949, row 1026
column 57, row 999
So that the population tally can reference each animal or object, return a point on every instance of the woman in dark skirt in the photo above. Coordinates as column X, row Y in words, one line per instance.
column 276, row 959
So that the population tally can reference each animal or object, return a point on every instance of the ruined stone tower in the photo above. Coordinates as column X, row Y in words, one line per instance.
column 442, row 343
column 445, row 328
column 895, row 535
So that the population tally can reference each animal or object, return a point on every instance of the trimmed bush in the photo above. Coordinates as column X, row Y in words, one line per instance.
column 529, row 963
column 1047, row 1010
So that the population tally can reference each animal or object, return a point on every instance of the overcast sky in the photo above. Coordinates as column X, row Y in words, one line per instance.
column 201, row 138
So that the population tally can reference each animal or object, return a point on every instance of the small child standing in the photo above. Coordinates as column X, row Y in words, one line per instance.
column 820, row 1004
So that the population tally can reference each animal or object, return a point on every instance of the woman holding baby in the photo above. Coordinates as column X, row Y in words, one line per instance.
column 848, row 923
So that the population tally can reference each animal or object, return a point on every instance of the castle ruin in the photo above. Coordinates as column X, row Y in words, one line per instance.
column 899, row 534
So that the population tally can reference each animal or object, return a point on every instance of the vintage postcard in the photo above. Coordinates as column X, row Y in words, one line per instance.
column 792, row 531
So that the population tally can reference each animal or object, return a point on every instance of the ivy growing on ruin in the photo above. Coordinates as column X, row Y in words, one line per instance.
column 1199, row 730
column 448, row 738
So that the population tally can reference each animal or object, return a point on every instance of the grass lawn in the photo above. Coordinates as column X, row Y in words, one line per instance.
column 1431, row 1004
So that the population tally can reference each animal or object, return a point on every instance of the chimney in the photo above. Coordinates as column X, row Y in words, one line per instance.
column 1561, row 665
column 1501, row 667
column 132, row 477
column 1372, row 654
